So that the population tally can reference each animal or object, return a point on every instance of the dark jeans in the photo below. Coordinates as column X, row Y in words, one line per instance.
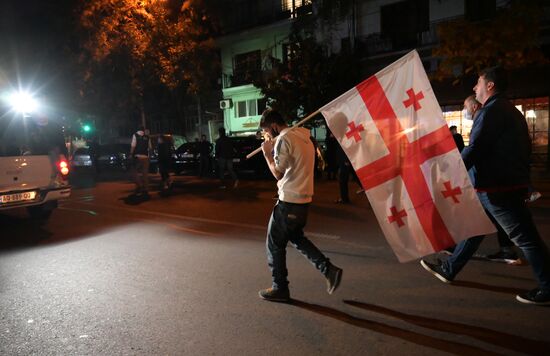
column 503, row 240
column 164, row 170
column 343, row 178
column 141, row 173
column 204, row 166
column 224, row 163
column 286, row 224
column 344, row 171
column 509, row 210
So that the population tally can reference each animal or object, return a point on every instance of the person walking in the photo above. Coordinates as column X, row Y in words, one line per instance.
column 139, row 151
column 506, row 252
column 459, row 141
column 332, row 156
column 500, row 150
column 290, row 156
column 165, row 150
column 205, row 150
column 224, row 155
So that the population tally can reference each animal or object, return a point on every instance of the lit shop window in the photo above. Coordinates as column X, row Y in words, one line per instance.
column 294, row 6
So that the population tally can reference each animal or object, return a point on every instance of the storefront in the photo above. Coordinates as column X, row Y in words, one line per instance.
column 535, row 111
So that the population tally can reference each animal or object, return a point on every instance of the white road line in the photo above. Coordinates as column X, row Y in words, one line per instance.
column 203, row 220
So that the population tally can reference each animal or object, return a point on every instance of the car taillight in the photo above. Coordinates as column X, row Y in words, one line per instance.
column 63, row 168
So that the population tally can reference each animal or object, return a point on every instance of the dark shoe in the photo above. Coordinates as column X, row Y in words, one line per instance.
column 536, row 296
column 448, row 251
column 509, row 257
column 275, row 295
column 437, row 271
column 334, row 277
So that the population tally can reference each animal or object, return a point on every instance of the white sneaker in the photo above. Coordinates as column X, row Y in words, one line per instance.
column 534, row 196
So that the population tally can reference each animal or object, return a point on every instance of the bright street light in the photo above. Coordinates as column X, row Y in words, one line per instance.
column 22, row 102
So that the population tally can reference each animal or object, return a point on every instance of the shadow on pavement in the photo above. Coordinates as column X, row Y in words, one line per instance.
column 407, row 335
column 21, row 231
column 498, row 289
column 504, row 340
column 135, row 199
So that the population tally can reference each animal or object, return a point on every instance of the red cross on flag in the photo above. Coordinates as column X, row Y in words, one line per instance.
column 392, row 130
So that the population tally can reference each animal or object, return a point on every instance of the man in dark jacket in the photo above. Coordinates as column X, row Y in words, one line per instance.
column 500, row 150
column 459, row 141
column 139, row 151
column 224, row 156
column 205, row 149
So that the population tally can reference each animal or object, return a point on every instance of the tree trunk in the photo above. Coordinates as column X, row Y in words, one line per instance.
column 142, row 112
column 199, row 112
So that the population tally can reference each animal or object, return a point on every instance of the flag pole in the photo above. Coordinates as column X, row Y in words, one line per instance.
column 298, row 124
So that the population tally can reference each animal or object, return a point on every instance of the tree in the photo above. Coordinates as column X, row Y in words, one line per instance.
column 145, row 42
column 310, row 76
column 508, row 39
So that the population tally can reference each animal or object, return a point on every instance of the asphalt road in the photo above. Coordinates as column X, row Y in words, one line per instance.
column 180, row 275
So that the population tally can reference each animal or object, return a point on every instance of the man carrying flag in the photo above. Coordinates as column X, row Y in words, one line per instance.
column 290, row 156
column 500, row 150
column 392, row 129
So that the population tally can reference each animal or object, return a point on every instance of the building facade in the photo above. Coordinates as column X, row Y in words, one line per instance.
column 378, row 32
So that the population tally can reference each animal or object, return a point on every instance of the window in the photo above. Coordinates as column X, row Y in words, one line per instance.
column 27, row 136
column 477, row 10
column 245, row 64
column 296, row 7
column 251, row 107
column 402, row 22
column 535, row 111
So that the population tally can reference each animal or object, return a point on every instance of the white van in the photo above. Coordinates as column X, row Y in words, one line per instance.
column 33, row 166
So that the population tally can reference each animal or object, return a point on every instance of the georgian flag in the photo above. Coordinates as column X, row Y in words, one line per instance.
column 392, row 130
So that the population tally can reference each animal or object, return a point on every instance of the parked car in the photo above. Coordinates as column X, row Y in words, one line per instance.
column 114, row 157
column 187, row 158
column 82, row 160
column 255, row 165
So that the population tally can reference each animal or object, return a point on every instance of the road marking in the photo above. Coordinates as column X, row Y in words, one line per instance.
column 202, row 220
column 91, row 212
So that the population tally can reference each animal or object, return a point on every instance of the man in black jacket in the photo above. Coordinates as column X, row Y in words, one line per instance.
column 500, row 150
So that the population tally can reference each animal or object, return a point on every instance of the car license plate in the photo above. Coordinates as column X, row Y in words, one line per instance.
column 12, row 198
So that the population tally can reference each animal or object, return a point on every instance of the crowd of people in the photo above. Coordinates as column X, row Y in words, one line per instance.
column 497, row 157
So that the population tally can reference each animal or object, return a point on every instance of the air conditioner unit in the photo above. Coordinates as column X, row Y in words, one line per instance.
column 225, row 104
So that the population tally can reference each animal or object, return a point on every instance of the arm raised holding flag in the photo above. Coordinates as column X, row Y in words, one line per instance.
column 291, row 157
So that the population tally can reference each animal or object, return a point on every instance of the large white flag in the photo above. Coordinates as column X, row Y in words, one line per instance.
column 392, row 130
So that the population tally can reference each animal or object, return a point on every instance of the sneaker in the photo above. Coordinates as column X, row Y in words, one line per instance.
column 334, row 277
column 536, row 296
column 508, row 257
column 437, row 271
column 534, row 196
column 275, row 295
